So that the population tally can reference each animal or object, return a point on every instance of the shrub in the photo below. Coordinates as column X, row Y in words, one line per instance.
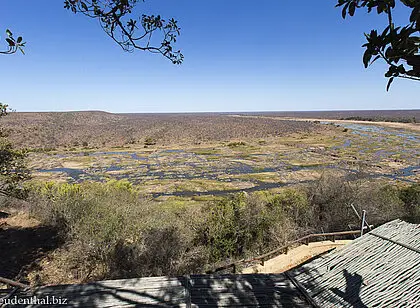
column 332, row 195
column 251, row 224
column 114, row 232
column 410, row 195
column 236, row 144
column 13, row 170
column 120, row 233
column 149, row 141
column 330, row 198
column 381, row 202
column 294, row 205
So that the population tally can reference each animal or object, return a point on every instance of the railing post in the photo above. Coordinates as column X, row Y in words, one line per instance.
column 363, row 222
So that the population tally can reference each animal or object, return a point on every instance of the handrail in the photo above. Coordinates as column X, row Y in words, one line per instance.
column 13, row 283
column 282, row 248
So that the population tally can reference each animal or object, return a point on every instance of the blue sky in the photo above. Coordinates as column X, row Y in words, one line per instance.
column 265, row 55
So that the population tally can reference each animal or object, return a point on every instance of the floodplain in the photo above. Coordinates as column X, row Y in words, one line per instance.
column 195, row 170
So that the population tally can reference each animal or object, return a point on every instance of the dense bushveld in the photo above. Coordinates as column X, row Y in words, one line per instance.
column 112, row 231
column 389, row 115
column 51, row 130
column 382, row 119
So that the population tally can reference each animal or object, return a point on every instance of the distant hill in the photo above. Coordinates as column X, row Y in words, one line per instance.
column 96, row 128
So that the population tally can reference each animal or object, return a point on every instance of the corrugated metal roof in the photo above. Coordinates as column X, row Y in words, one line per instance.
column 379, row 269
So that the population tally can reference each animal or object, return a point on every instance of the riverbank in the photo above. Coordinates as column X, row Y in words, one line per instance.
column 406, row 126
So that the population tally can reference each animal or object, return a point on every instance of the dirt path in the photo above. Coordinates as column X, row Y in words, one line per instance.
column 295, row 257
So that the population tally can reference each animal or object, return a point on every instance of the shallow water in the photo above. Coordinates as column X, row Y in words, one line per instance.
column 366, row 130
column 185, row 165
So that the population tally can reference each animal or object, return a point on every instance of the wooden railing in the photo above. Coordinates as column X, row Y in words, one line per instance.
column 284, row 249
column 13, row 283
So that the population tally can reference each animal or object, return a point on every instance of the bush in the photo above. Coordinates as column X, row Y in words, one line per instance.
column 119, row 233
column 331, row 198
column 13, row 170
column 251, row 224
column 236, row 144
column 294, row 205
column 149, row 141
column 410, row 195
column 381, row 202
column 114, row 232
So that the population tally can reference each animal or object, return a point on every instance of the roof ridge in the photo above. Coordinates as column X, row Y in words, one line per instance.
column 395, row 242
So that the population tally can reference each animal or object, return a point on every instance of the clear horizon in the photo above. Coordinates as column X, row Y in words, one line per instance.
column 239, row 57
column 238, row 111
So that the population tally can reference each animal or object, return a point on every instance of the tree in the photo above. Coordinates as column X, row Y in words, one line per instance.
column 12, row 164
column 131, row 33
column 398, row 46
column 117, row 20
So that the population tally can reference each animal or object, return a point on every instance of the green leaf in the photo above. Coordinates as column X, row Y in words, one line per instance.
column 352, row 9
column 84, row 6
column 389, row 83
column 10, row 42
column 344, row 10
column 366, row 58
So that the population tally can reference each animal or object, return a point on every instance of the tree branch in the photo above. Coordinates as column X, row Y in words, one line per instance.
column 114, row 18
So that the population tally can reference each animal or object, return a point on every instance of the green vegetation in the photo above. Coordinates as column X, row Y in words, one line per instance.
column 211, row 151
column 397, row 46
column 118, row 230
column 150, row 141
column 111, row 231
column 13, row 169
column 410, row 195
column 236, row 144
column 244, row 225
column 382, row 119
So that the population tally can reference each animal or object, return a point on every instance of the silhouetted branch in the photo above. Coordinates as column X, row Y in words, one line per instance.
column 13, row 45
column 131, row 33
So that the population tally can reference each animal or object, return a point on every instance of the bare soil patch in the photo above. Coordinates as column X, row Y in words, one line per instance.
column 23, row 243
